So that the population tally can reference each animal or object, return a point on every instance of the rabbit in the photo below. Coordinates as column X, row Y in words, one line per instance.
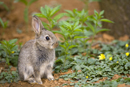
column 37, row 56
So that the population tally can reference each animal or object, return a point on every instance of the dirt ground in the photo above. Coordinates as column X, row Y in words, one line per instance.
column 17, row 23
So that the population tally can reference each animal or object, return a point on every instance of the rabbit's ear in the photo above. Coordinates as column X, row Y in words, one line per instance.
column 36, row 24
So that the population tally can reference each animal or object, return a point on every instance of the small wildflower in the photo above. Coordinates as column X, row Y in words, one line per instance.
column 110, row 58
column 117, row 62
column 126, row 45
column 127, row 54
column 86, row 76
column 12, row 52
column 101, row 57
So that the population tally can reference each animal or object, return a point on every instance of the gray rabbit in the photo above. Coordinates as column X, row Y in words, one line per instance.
column 37, row 56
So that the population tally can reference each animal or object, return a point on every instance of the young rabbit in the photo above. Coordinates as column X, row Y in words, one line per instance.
column 37, row 56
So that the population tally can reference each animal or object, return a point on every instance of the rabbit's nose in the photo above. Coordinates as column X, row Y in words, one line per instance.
column 55, row 44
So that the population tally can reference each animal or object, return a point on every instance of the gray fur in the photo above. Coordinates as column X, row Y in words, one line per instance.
column 37, row 56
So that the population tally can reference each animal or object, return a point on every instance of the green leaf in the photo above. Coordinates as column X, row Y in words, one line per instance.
column 64, row 30
column 26, row 15
column 59, row 32
column 77, row 67
column 43, row 11
column 82, row 12
column 90, row 26
column 72, row 84
column 40, row 15
column 78, row 27
column 59, row 61
column 96, row 13
column 106, row 20
column 45, row 25
column 71, row 14
column 76, row 24
column 13, row 41
column 66, row 79
column 76, row 37
column 1, row 3
column 47, row 9
column 63, row 46
column 127, row 65
column 78, row 30
column 55, row 10
column 2, row 23
column 127, row 79
column 31, row 1
column 101, row 30
column 57, row 17
column 114, row 84
column 14, row 72
column 72, row 46
column 24, row 2
column 101, row 13
column 5, row 6
column 91, row 61
column 7, row 61
column 66, row 24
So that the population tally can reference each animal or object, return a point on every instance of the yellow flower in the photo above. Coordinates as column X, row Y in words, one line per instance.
column 127, row 54
column 12, row 52
column 117, row 62
column 86, row 76
column 126, row 45
column 101, row 57
column 110, row 58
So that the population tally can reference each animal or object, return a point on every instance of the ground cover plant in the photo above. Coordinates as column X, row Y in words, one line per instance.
column 110, row 60
column 77, row 31
column 8, row 76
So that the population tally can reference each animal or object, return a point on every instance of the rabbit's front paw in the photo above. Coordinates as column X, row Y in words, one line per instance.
column 50, row 77
column 39, row 81
column 31, row 80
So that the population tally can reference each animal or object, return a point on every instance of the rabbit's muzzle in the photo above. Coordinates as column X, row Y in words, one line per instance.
column 55, row 44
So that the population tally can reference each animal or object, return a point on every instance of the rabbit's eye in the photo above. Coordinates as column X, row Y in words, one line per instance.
column 47, row 38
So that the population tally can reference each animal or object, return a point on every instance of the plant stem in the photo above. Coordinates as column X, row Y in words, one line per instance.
column 91, row 44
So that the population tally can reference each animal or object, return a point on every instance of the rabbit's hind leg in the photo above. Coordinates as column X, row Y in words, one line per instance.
column 48, row 73
column 28, row 75
column 29, row 78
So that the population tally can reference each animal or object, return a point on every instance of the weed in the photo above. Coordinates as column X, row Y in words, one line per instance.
column 75, row 33
column 48, row 13
column 27, row 4
column 9, row 51
column 9, row 76
column 3, row 24
column 4, row 5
